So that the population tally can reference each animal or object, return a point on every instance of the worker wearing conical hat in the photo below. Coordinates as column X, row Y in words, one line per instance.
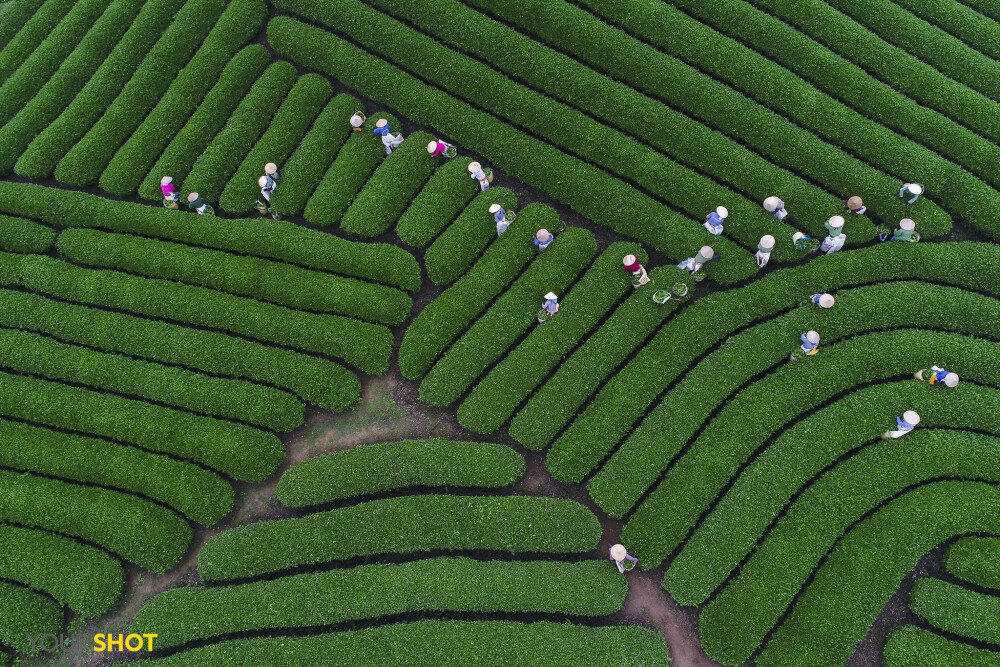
column 935, row 375
column 438, row 147
column 620, row 556
column 266, row 188
column 476, row 170
column 764, row 248
column 823, row 300
column 694, row 264
column 714, row 220
column 389, row 140
column 358, row 121
column 836, row 237
column 775, row 207
column 549, row 307
column 500, row 218
column 271, row 172
column 197, row 203
column 543, row 239
column 170, row 193
column 910, row 192
column 904, row 425
column 856, row 205
column 810, row 342
column 632, row 265
column 905, row 231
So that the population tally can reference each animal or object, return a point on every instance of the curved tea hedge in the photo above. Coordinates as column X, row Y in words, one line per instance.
column 957, row 610
column 405, row 525
column 976, row 560
column 456, row 643
column 911, row 645
column 391, row 466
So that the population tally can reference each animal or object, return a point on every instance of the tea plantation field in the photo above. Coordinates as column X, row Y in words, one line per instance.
column 164, row 362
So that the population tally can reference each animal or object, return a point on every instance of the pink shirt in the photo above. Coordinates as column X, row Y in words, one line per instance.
column 438, row 149
column 168, row 190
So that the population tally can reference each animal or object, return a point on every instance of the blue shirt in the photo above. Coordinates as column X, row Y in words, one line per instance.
column 806, row 344
column 903, row 424
column 499, row 215
column 545, row 243
column 715, row 219
column 382, row 131
column 939, row 376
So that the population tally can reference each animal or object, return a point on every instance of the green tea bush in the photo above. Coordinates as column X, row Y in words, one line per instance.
column 976, row 560
column 25, row 613
column 439, row 202
column 461, row 244
column 911, row 645
column 956, row 610
column 391, row 466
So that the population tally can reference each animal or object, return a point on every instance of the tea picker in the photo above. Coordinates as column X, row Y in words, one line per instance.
column 937, row 375
column 639, row 276
column 501, row 217
column 622, row 559
column 764, row 248
column 271, row 174
column 823, row 300
column 694, row 264
column 714, row 220
column 171, row 196
column 910, row 192
column 809, row 346
column 543, row 239
column 198, row 204
column 483, row 176
column 776, row 207
column 549, row 307
column 836, row 238
column 905, row 231
column 904, row 425
column 856, row 206
column 389, row 140
column 358, row 121
column 438, row 147
column 266, row 190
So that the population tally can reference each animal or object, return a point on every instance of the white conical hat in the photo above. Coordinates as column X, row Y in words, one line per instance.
column 911, row 417
column 542, row 235
column 812, row 337
column 165, row 180
column 836, row 221
column 767, row 241
column 495, row 208
column 907, row 224
column 629, row 260
column 192, row 196
column 431, row 146
column 381, row 122
column 474, row 167
column 551, row 295
column 706, row 253
column 771, row 204
column 914, row 188
column 796, row 236
column 826, row 301
column 618, row 552
column 951, row 379
column 357, row 120
column 262, row 181
column 270, row 168
column 722, row 211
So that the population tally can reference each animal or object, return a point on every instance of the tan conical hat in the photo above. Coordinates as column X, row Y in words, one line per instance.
column 495, row 208
column 381, row 122
column 911, row 417
column 431, row 146
column 165, row 180
column 474, row 167
column 542, row 235
column 907, row 224
column 766, row 241
column 826, row 301
column 262, row 181
column 951, row 379
column 192, row 196
column 722, row 211
column 270, row 168
column 771, row 204
column 812, row 337
column 551, row 295
column 854, row 203
column 618, row 552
